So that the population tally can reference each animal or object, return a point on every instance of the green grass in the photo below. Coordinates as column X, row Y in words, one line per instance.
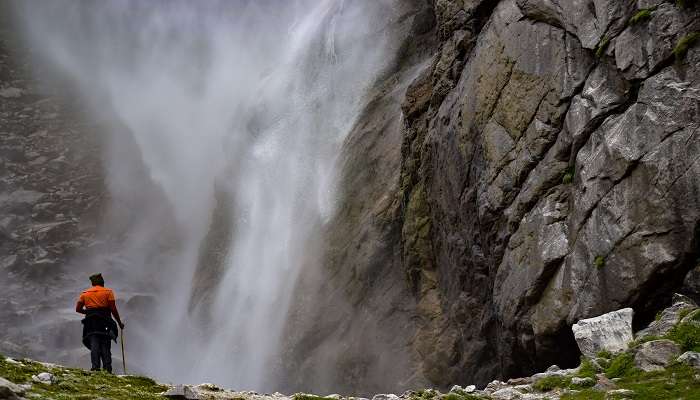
column 549, row 383
column 587, row 394
column 599, row 262
column 684, row 313
column 73, row 383
column 587, row 370
column 460, row 396
column 687, row 335
column 641, row 16
column 621, row 365
column 638, row 342
column 602, row 45
column 605, row 354
column 684, row 44
column 676, row 382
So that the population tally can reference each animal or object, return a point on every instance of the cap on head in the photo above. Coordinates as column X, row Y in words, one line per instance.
column 97, row 279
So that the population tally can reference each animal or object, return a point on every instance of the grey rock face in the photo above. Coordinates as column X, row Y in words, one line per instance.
column 541, row 183
column 656, row 354
column 609, row 332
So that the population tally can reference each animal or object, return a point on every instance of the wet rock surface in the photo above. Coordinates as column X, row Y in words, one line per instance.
column 548, row 174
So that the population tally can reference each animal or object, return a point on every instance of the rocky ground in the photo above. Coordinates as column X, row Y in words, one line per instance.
column 661, row 361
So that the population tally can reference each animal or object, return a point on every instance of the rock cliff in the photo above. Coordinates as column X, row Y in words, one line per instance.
column 547, row 172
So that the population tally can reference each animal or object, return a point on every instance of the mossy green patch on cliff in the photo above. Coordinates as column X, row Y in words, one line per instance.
column 684, row 44
column 641, row 16
column 599, row 262
column 73, row 383
column 568, row 175
column 602, row 45
column 416, row 234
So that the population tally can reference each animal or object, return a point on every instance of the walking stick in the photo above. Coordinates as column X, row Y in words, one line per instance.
column 123, row 356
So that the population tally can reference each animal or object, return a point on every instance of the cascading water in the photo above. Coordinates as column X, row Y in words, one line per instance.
column 246, row 101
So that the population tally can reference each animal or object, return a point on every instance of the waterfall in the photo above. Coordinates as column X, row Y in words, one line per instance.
column 235, row 105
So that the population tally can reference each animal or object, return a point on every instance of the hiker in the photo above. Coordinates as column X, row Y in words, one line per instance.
column 98, row 305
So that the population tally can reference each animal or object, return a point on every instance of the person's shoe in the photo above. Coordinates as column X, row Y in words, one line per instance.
column 94, row 369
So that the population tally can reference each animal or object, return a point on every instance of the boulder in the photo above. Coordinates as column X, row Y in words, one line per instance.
column 584, row 382
column 668, row 317
column 385, row 397
column 181, row 392
column 611, row 332
column 691, row 358
column 655, row 355
column 44, row 377
column 462, row 390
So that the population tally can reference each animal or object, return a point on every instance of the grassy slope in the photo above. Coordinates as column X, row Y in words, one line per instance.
column 76, row 384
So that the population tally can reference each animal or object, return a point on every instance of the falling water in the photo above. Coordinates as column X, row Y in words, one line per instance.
column 245, row 101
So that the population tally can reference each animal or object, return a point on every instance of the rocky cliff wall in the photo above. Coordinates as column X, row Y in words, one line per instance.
column 548, row 172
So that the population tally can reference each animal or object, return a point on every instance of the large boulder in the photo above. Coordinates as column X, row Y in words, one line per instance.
column 610, row 332
column 656, row 355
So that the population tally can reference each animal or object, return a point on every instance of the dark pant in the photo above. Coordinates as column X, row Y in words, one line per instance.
column 101, row 350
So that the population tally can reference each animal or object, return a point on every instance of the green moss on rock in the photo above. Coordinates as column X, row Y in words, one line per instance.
column 684, row 44
column 641, row 16
column 599, row 262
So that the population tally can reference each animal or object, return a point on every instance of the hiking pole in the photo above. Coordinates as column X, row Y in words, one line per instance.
column 123, row 356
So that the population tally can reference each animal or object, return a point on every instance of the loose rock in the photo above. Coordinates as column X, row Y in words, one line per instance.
column 655, row 355
column 691, row 358
column 611, row 332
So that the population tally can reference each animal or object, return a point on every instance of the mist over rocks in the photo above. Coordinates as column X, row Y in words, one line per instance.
column 449, row 187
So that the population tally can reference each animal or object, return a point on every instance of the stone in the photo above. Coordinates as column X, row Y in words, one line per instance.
column 11, row 92
column 385, row 397
column 656, row 355
column 584, row 382
column 44, row 377
column 691, row 358
column 507, row 394
column 668, row 318
column 610, row 332
column 495, row 385
column 181, row 392
column 9, row 390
